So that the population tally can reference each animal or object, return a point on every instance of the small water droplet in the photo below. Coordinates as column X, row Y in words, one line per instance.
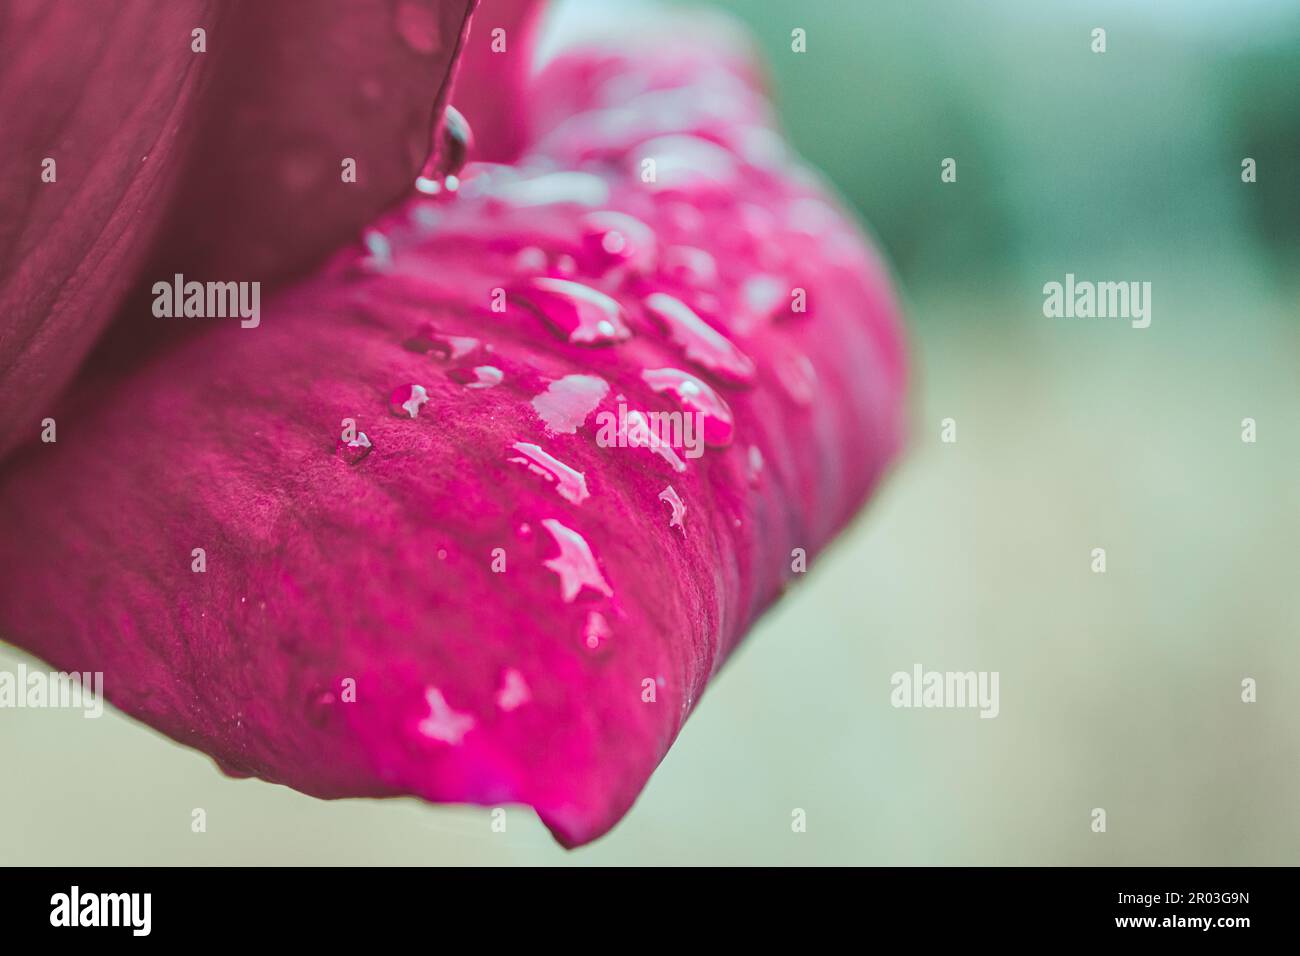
column 799, row 376
column 635, row 432
column 353, row 450
column 575, row 311
column 698, row 340
column 406, row 400
column 426, row 340
column 514, row 692
column 674, row 500
column 575, row 564
column 529, row 260
column 754, row 464
column 613, row 239
column 690, row 266
column 568, row 401
column 443, row 723
column 379, row 251
column 596, row 631
column 452, row 142
column 697, row 397
column 569, row 482
column 480, row 376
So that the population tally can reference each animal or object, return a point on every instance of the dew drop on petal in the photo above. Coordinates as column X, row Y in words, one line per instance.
column 353, row 450
column 637, row 433
column 514, row 692
column 379, row 251
column 569, row 482
column 443, row 723
column 596, row 631
column 612, row 239
column 479, row 376
column 674, row 502
column 690, row 266
column 575, row 311
column 799, row 377
column 568, row 401
column 452, row 142
column 426, row 340
column 575, row 564
column 698, row 398
column 406, row 400
column 698, row 340
column 754, row 464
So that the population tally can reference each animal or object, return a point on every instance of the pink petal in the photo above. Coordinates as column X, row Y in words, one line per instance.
column 363, row 607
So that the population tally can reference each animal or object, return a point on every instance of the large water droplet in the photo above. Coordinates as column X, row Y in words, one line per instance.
column 406, row 400
column 452, row 142
column 480, row 376
column 575, row 564
column 577, row 312
column 576, row 188
column 674, row 502
column 697, row 397
column 569, row 482
column 354, row 449
column 568, row 401
column 698, row 340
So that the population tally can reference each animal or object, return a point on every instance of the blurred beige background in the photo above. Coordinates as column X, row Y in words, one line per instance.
column 1119, row 690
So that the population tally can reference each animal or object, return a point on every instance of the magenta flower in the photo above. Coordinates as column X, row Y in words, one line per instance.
column 475, row 511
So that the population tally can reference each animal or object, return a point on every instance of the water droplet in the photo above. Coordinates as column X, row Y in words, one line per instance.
column 405, row 401
column 581, row 189
column 799, row 377
column 530, row 260
column 575, row 564
column 578, row 312
column 636, row 433
column 690, row 266
column 427, row 340
column 379, row 251
column 480, row 376
column 443, row 723
column 569, row 482
column 452, row 142
column 514, row 692
column 613, row 239
column 698, row 340
column 353, row 450
column 687, row 165
column 697, row 397
column 674, row 501
column 568, row 401
column 596, row 631
column 754, row 464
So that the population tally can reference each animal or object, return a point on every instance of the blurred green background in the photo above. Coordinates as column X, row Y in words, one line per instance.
column 1118, row 690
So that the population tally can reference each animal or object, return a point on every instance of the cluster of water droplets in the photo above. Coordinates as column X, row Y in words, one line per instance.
column 595, row 291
